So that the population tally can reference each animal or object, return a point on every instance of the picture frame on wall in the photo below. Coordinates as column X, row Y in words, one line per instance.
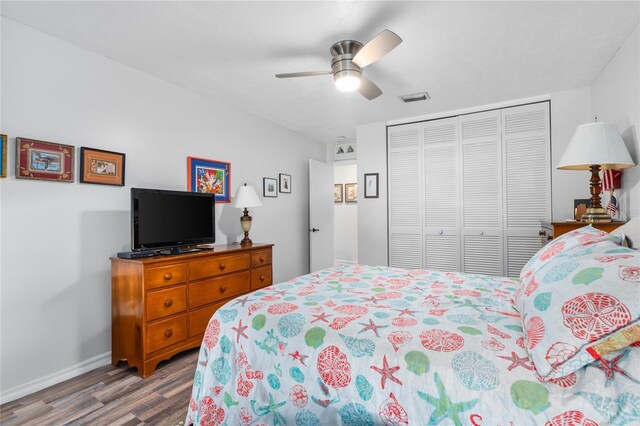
column 3, row 155
column 44, row 160
column 269, row 187
column 337, row 193
column 371, row 185
column 345, row 151
column 285, row 183
column 210, row 177
column 350, row 192
column 102, row 167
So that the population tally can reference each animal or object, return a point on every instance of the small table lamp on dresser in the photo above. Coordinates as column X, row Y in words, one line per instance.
column 596, row 146
column 246, row 197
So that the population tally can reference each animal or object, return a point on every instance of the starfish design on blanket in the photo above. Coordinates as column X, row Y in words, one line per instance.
column 371, row 326
column 610, row 367
column 516, row 361
column 337, row 287
column 242, row 300
column 406, row 311
column 302, row 358
column 240, row 331
column 272, row 408
column 445, row 408
column 386, row 372
column 372, row 299
column 321, row 317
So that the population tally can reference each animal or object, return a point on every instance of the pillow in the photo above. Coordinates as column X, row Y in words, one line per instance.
column 580, row 304
column 578, row 238
column 630, row 230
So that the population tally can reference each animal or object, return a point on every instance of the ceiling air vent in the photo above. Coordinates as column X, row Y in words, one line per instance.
column 415, row 97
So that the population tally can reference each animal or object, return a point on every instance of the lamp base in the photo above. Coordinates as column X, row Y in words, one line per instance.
column 246, row 241
column 595, row 215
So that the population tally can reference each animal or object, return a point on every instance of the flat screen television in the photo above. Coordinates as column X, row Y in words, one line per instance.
column 171, row 220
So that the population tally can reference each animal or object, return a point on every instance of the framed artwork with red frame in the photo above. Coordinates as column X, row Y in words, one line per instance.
column 211, row 177
column 44, row 160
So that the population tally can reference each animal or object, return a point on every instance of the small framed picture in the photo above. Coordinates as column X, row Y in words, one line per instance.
column 44, row 160
column 269, row 187
column 350, row 192
column 344, row 151
column 285, row 183
column 101, row 167
column 580, row 207
column 337, row 193
column 211, row 177
column 371, row 185
column 3, row 156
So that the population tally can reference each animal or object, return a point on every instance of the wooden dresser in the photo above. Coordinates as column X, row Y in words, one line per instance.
column 551, row 230
column 160, row 306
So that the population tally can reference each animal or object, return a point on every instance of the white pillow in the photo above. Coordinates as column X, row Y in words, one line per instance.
column 631, row 230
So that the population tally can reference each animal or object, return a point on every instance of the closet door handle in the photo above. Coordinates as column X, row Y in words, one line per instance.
column 441, row 232
column 481, row 232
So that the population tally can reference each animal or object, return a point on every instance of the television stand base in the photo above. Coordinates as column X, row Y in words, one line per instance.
column 180, row 250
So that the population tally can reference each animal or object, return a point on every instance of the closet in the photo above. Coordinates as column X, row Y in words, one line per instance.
column 467, row 193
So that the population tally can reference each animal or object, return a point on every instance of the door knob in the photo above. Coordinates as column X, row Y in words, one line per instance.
column 314, row 229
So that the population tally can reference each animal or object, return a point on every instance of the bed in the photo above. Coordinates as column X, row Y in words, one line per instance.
column 362, row 345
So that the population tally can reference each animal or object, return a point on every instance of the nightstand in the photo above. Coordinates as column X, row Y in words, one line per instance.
column 551, row 230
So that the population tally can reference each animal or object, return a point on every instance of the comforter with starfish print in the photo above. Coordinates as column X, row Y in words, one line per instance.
column 359, row 345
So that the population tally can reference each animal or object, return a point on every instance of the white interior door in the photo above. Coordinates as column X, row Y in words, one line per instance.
column 320, row 215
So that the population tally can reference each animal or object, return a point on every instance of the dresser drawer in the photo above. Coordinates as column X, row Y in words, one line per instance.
column 165, row 275
column 261, row 258
column 219, row 265
column 204, row 292
column 165, row 333
column 161, row 303
column 199, row 318
column 261, row 277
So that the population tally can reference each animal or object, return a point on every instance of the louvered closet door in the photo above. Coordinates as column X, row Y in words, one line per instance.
column 405, row 200
column 440, row 186
column 527, row 182
column 481, row 198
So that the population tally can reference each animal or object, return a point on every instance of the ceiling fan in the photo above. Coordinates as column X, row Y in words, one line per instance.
column 349, row 57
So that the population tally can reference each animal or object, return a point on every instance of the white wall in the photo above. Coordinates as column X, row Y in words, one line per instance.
column 615, row 98
column 372, row 212
column 57, row 238
column 345, row 241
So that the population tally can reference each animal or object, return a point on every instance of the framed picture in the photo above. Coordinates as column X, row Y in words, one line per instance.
column 44, row 160
column 350, row 192
column 337, row 193
column 211, row 177
column 371, row 185
column 101, row 167
column 269, row 187
column 580, row 207
column 3, row 156
column 285, row 183
column 344, row 151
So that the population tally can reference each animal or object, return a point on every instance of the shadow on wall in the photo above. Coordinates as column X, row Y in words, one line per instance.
column 229, row 224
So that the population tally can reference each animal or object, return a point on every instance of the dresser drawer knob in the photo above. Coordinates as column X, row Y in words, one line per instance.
column 261, row 259
column 222, row 266
column 223, row 289
column 168, row 276
column 261, row 278
column 168, row 333
column 542, row 233
column 168, row 303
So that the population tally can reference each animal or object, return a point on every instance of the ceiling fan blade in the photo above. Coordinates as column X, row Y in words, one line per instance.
column 368, row 89
column 304, row 74
column 379, row 46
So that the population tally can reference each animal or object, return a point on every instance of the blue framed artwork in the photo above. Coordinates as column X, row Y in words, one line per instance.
column 211, row 177
column 3, row 156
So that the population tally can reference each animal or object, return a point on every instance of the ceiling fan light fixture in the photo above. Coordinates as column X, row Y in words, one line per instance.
column 347, row 80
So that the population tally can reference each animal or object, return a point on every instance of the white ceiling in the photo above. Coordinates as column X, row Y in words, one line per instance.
column 463, row 53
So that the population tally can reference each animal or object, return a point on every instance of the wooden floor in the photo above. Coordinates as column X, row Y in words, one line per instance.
column 111, row 396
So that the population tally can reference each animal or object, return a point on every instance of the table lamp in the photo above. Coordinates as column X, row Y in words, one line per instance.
column 246, row 197
column 596, row 146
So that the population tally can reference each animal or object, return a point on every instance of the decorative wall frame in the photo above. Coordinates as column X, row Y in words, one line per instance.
column 44, row 160
column 211, row 177
column 101, row 167
column 285, row 183
column 3, row 156
column 371, row 185
column 337, row 193
column 350, row 192
column 269, row 187
column 345, row 151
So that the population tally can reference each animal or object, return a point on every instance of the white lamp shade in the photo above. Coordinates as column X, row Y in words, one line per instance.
column 596, row 144
column 246, row 197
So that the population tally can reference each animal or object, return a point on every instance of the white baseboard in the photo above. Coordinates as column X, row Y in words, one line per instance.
column 55, row 378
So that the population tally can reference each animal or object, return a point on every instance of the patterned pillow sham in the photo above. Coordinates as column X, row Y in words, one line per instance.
column 579, row 238
column 579, row 305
